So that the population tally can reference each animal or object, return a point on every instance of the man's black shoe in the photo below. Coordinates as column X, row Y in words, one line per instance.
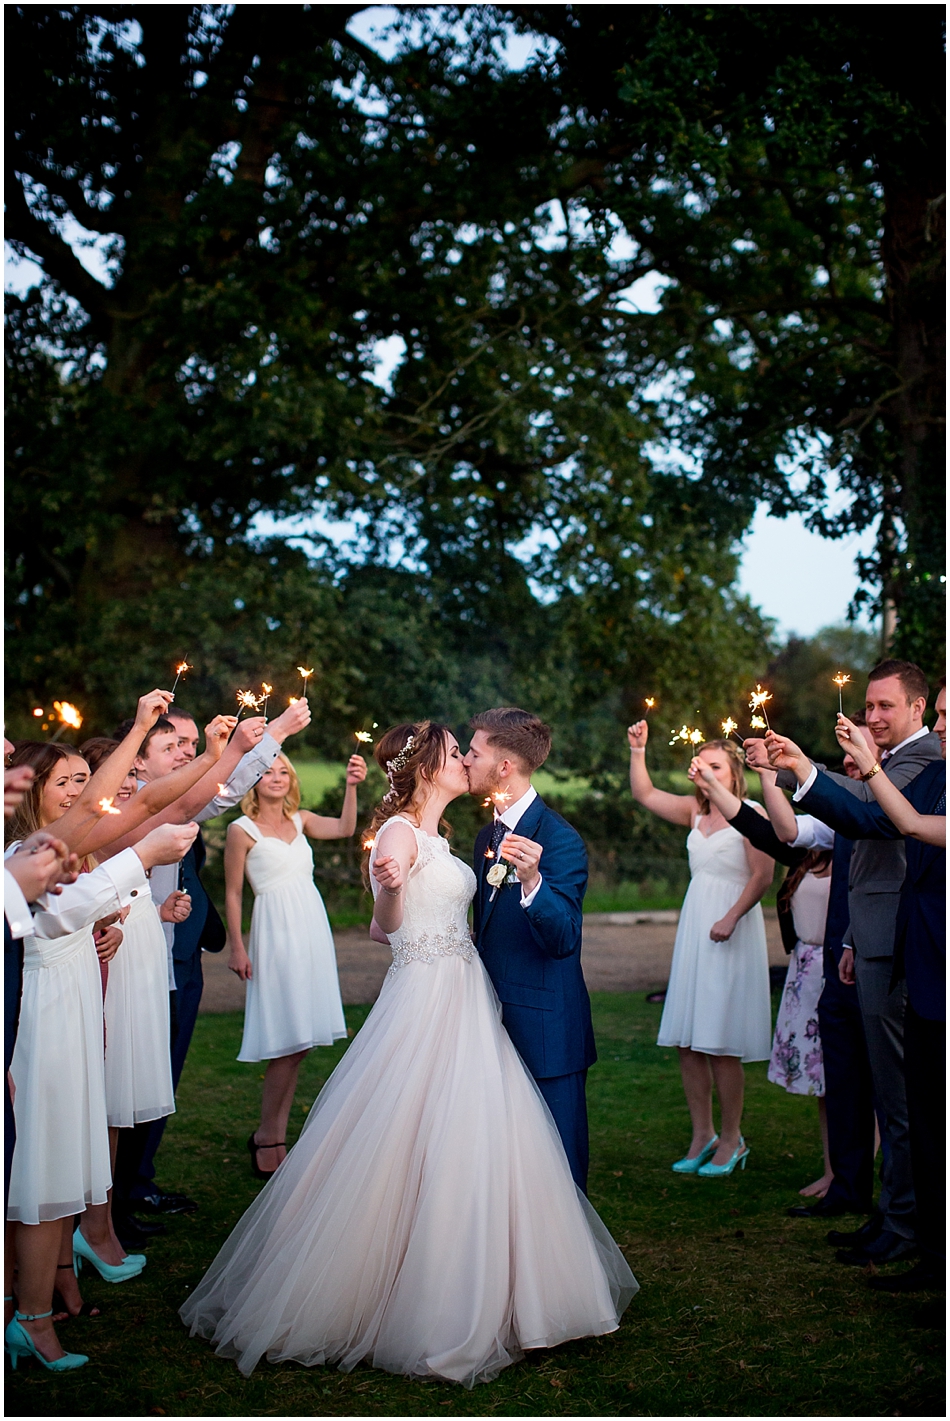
column 922, row 1278
column 864, row 1235
column 888, row 1247
column 134, row 1233
column 165, row 1202
column 821, row 1209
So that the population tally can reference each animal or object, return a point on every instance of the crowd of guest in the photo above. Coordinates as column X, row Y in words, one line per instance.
column 105, row 923
column 861, row 1024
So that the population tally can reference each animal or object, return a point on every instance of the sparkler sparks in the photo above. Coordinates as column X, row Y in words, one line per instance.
column 266, row 692
column 67, row 715
column 650, row 703
column 107, row 806
column 499, row 798
column 757, row 723
column 38, row 712
column 247, row 701
column 688, row 735
column 757, row 701
column 368, row 843
column 363, row 736
column 840, row 680
column 306, row 674
column 180, row 670
column 731, row 727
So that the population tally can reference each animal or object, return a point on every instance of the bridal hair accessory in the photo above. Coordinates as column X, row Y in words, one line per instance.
column 399, row 763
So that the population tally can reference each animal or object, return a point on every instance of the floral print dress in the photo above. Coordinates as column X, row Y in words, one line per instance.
column 796, row 1061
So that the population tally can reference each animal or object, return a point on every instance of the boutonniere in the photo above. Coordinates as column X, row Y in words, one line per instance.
column 502, row 875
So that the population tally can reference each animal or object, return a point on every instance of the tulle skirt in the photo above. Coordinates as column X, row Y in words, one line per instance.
column 426, row 1220
column 61, row 1157
column 138, row 1050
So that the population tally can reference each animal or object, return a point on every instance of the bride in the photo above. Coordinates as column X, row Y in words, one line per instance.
column 426, row 1220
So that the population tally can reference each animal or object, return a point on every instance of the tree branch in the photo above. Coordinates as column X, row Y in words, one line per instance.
column 59, row 260
column 69, row 191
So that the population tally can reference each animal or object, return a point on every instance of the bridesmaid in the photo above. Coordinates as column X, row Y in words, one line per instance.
column 717, row 1011
column 293, row 993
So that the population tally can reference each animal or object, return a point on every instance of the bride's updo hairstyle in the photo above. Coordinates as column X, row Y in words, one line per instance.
column 410, row 756
column 736, row 759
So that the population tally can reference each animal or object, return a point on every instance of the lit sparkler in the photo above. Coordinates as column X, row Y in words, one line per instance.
column 180, row 670
column 107, row 806
column 306, row 676
column 266, row 692
column 68, row 716
column 363, row 736
column 688, row 735
column 38, row 712
column 368, row 843
column 731, row 727
column 757, row 723
column 840, row 680
column 650, row 703
column 222, row 789
column 757, row 701
column 499, row 798
column 247, row 701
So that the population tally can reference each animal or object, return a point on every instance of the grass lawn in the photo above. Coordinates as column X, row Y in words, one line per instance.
column 742, row 1311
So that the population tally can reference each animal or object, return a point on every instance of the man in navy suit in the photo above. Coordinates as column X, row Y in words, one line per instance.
column 528, row 926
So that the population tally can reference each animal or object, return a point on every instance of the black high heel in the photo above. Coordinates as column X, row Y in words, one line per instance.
column 92, row 1310
column 253, row 1147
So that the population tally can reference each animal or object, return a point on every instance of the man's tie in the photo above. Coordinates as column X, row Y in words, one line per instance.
column 498, row 832
column 941, row 804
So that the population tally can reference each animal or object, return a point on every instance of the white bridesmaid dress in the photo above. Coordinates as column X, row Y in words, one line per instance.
column 61, row 1157
column 293, row 997
column 718, row 998
column 426, row 1220
column 138, row 1051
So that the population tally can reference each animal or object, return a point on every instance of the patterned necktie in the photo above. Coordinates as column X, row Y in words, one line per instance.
column 498, row 832
column 941, row 804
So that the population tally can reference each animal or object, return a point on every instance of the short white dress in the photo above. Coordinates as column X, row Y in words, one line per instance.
column 138, row 1048
column 426, row 1221
column 293, row 997
column 61, row 1157
column 718, row 998
column 796, row 1062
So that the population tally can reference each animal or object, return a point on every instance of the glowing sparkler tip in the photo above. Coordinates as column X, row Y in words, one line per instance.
column 649, row 702
column 266, row 689
column 758, row 697
column 363, row 736
column 39, row 712
column 696, row 737
column 292, row 700
column 107, row 806
column 222, row 789
column 729, row 726
column 368, row 843
column 840, row 680
column 758, row 723
column 488, row 853
column 247, row 700
column 182, row 667
column 304, row 672
column 68, row 714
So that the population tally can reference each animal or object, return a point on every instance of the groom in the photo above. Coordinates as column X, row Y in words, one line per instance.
column 528, row 926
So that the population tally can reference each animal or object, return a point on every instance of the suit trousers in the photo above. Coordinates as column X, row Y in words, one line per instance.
column 135, row 1161
column 849, row 1093
column 882, row 1013
column 925, row 1045
column 566, row 1098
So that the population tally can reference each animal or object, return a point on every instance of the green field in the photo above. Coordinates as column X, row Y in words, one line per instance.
column 742, row 1311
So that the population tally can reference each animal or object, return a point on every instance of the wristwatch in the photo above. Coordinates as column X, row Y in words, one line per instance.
column 874, row 770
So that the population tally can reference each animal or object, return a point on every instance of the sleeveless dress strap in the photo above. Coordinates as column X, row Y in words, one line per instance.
column 250, row 828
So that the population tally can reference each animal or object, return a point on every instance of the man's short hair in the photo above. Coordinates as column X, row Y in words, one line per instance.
column 525, row 736
column 178, row 713
column 162, row 724
column 912, row 679
column 860, row 717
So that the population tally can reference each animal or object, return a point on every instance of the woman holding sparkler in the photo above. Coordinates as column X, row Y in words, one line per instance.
column 293, row 992
column 717, row 1010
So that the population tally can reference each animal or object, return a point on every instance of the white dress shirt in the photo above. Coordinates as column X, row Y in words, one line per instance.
column 16, row 909
column 111, row 886
column 510, row 818
column 812, row 833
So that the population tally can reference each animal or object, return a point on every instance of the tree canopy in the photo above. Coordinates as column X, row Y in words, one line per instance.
column 551, row 488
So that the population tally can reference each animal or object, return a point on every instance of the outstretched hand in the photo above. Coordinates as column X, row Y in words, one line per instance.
column 784, row 754
column 854, row 744
column 149, row 708
column 291, row 721
column 701, row 770
column 756, row 754
column 217, row 733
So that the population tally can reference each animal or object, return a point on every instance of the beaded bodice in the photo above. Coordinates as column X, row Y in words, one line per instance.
column 435, row 902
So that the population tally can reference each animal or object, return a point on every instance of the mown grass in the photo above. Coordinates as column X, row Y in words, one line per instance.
column 742, row 1311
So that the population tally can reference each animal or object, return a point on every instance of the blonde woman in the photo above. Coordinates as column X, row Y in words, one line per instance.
column 293, row 993
column 717, row 1010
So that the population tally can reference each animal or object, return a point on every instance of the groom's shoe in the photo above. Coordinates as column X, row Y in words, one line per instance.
column 821, row 1209
column 163, row 1201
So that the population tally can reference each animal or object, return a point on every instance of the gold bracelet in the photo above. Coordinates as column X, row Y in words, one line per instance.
column 874, row 770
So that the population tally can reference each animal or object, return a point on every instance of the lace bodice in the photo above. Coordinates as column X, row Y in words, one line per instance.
column 435, row 902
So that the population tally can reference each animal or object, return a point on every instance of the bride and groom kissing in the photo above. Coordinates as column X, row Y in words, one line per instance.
column 431, row 1219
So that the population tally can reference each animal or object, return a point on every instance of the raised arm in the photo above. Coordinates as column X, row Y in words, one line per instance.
column 321, row 826
column 676, row 808
column 928, row 828
column 237, row 846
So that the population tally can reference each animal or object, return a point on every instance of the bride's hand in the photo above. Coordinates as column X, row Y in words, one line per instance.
column 637, row 735
column 388, row 874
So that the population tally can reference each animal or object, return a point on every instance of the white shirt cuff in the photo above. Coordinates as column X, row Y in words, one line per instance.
column 812, row 833
column 803, row 789
column 15, row 907
column 244, row 777
column 528, row 898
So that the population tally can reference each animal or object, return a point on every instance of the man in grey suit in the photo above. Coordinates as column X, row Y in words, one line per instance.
column 895, row 705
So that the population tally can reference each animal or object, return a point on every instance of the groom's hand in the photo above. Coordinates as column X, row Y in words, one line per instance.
column 525, row 854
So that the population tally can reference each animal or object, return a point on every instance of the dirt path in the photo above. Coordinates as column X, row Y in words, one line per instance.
column 623, row 952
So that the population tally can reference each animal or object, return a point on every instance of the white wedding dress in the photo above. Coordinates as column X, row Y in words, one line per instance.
column 426, row 1220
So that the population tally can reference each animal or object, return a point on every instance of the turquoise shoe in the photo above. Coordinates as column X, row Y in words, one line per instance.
column 19, row 1344
column 111, row 1272
column 716, row 1171
column 692, row 1166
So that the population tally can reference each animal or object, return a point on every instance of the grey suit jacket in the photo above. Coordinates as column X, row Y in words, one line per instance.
column 877, row 866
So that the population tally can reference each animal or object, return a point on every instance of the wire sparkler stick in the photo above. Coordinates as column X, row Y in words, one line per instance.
column 180, row 670
column 840, row 680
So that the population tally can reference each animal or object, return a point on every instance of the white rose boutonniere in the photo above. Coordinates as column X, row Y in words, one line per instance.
column 497, row 874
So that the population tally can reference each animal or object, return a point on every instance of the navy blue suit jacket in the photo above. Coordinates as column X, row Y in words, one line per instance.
column 533, row 955
column 921, row 938
column 187, row 939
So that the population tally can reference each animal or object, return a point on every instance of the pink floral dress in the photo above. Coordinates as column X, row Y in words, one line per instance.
column 796, row 1061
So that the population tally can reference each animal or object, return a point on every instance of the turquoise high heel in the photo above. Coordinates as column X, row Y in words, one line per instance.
column 110, row 1272
column 716, row 1171
column 692, row 1166
column 19, row 1344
